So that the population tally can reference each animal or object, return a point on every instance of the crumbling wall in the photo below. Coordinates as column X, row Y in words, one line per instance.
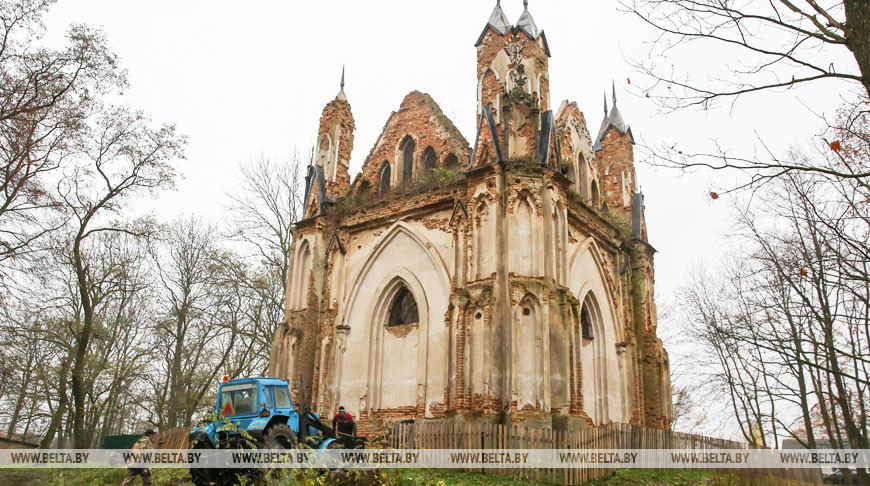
column 334, row 146
column 422, row 119
column 506, row 264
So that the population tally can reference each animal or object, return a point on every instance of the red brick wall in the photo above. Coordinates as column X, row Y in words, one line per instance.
column 337, row 112
column 421, row 118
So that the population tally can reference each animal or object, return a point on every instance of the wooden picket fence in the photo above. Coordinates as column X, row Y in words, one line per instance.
column 452, row 435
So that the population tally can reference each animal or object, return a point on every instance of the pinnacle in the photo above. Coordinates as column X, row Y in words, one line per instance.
column 341, row 95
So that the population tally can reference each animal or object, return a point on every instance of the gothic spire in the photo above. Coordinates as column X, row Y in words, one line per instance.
column 527, row 23
column 341, row 94
column 613, row 119
column 498, row 20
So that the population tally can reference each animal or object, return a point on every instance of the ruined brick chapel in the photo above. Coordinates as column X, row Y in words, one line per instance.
column 508, row 279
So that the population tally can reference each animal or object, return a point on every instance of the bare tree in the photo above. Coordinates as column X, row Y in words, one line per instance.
column 764, row 47
column 265, row 205
column 123, row 349
column 778, row 44
column 22, row 376
column 45, row 97
column 689, row 415
column 194, row 338
column 70, row 167
column 788, row 322
column 253, row 302
column 122, row 157
column 117, row 268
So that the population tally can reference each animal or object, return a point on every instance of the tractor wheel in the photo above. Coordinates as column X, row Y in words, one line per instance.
column 280, row 436
column 202, row 476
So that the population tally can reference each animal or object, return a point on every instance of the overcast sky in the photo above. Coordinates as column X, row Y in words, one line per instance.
column 245, row 78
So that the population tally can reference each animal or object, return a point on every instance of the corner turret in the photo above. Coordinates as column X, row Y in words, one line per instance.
column 513, row 87
column 329, row 177
column 614, row 151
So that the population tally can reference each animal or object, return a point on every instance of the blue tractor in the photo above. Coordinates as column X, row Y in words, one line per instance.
column 263, row 408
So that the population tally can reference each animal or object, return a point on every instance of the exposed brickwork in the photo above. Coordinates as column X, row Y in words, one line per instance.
column 619, row 179
column 337, row 113
column 420, row 118
column 518, row 107
column 493, row 43
column 463, row 221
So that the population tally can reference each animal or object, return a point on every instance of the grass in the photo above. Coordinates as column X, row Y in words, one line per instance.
column 387, row 477
column 434, row 180
column 87, row 477
column 437, row 477
column 181, row 477
column 675, row 477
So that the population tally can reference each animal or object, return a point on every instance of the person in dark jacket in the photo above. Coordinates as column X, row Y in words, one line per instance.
column 343, row 423
column 147, row 441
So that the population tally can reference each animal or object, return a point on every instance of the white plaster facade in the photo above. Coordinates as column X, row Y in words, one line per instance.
column 508, row 292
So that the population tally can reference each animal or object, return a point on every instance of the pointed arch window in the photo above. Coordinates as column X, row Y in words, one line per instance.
column 323, row 152
column 594, row 195
column 599, row 376
column 407, row 147
column 430, row 160
column 303, row 275
column 582, row 178
column 384, row 184
column 451, row 162
column 403, row 309
column 586, row 322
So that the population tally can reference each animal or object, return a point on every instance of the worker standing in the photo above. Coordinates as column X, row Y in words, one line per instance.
column 144, row 442
column 343, row 424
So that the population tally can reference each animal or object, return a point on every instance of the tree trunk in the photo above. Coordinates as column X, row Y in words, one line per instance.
column 175, row 388
column 858, row 36
column 57, row 417
column 80, row 441
column 25, row 386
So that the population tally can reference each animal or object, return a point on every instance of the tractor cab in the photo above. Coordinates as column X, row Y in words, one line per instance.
column 249, row 399
column 262, row 407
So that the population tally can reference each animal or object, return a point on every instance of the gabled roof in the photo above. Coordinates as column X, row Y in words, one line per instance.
column 527, row 24
column 566, row 111
column 459, row 211
column 613, row 120
column 548, row 141
column 315, row 176
column 497, row 21
column 432, row 117
column 335, row 240
column 489, row 120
